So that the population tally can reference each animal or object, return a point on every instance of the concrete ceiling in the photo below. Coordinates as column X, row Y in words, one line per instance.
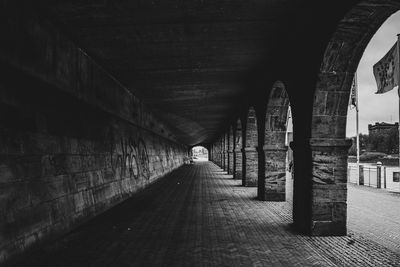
column 186, row 59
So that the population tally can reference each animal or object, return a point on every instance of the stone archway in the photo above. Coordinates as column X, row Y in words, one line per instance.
column 272, row 186
column 328, row 142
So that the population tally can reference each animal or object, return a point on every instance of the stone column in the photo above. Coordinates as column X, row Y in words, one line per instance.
column 238, row 164
column 329, row 186
column 226, row 152
column 237, row 146
column 230, row 161
column 250, row 176
column 274, row 186
column 217, row 156
column 221, row 154
column 231, row 143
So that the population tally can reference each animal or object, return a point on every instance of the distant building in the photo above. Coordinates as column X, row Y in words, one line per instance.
column 382, row 128
column 383, row 137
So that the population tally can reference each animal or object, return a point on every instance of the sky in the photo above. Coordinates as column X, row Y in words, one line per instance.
column 373, row 107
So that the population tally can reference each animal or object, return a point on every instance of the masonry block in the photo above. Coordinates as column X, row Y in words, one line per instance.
column 251, row 164
column 329, row 186
column 238, row 164
column 230, row 161
column 273, row 188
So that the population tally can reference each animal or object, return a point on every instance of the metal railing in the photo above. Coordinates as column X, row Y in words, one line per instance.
column 373, row 176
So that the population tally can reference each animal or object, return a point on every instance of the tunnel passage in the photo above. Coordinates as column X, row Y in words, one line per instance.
column 200, row 153
column 98, row 101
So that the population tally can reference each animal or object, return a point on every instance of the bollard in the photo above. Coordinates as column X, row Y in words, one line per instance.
column 378, row 174
column 361, row 175
column 384, row 177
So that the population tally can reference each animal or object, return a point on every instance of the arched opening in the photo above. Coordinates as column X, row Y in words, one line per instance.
column 372, row 178
column 250, row 153
column 272, row 187
column 329, row 146
column 199, row 153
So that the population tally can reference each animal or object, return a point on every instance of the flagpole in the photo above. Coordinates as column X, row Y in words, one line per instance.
column 398, row 86
column 357, row 128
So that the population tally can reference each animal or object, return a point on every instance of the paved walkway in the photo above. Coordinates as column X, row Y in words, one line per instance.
column 375, row 214
column 198, row 216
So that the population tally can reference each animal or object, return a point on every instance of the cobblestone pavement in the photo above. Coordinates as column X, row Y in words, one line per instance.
column 199, row 216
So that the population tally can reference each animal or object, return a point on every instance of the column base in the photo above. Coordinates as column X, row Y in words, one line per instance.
column 328, row 228
column 237, row 175
column 278, row 197
column 250, row 183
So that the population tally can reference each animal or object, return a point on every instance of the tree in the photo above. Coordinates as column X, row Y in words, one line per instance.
column 385, row 141
column 364, row 139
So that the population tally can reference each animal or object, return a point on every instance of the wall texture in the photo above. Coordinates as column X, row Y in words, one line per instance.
column 73, row 141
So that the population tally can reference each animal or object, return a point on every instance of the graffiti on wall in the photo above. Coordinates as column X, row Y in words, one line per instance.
column 128, row 157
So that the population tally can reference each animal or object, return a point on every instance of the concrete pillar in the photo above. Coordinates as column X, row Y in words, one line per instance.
column 329, row 186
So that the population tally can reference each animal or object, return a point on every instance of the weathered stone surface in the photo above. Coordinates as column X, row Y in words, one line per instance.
column 274, row 149
column 329, row 186
column 230, row 162
column 251, row 173
column 238, row 146
column 330, row 126
column 275, row 175
column 238, row 164
column 73, row 142
column 251, row 129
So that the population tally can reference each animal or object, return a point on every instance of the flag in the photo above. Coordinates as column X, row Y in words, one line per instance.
column 353, row 92
column 386, row 71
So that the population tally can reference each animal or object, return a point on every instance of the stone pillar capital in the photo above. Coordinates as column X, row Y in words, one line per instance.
column 249, row 149
column 330, row 142
column 316, row 143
